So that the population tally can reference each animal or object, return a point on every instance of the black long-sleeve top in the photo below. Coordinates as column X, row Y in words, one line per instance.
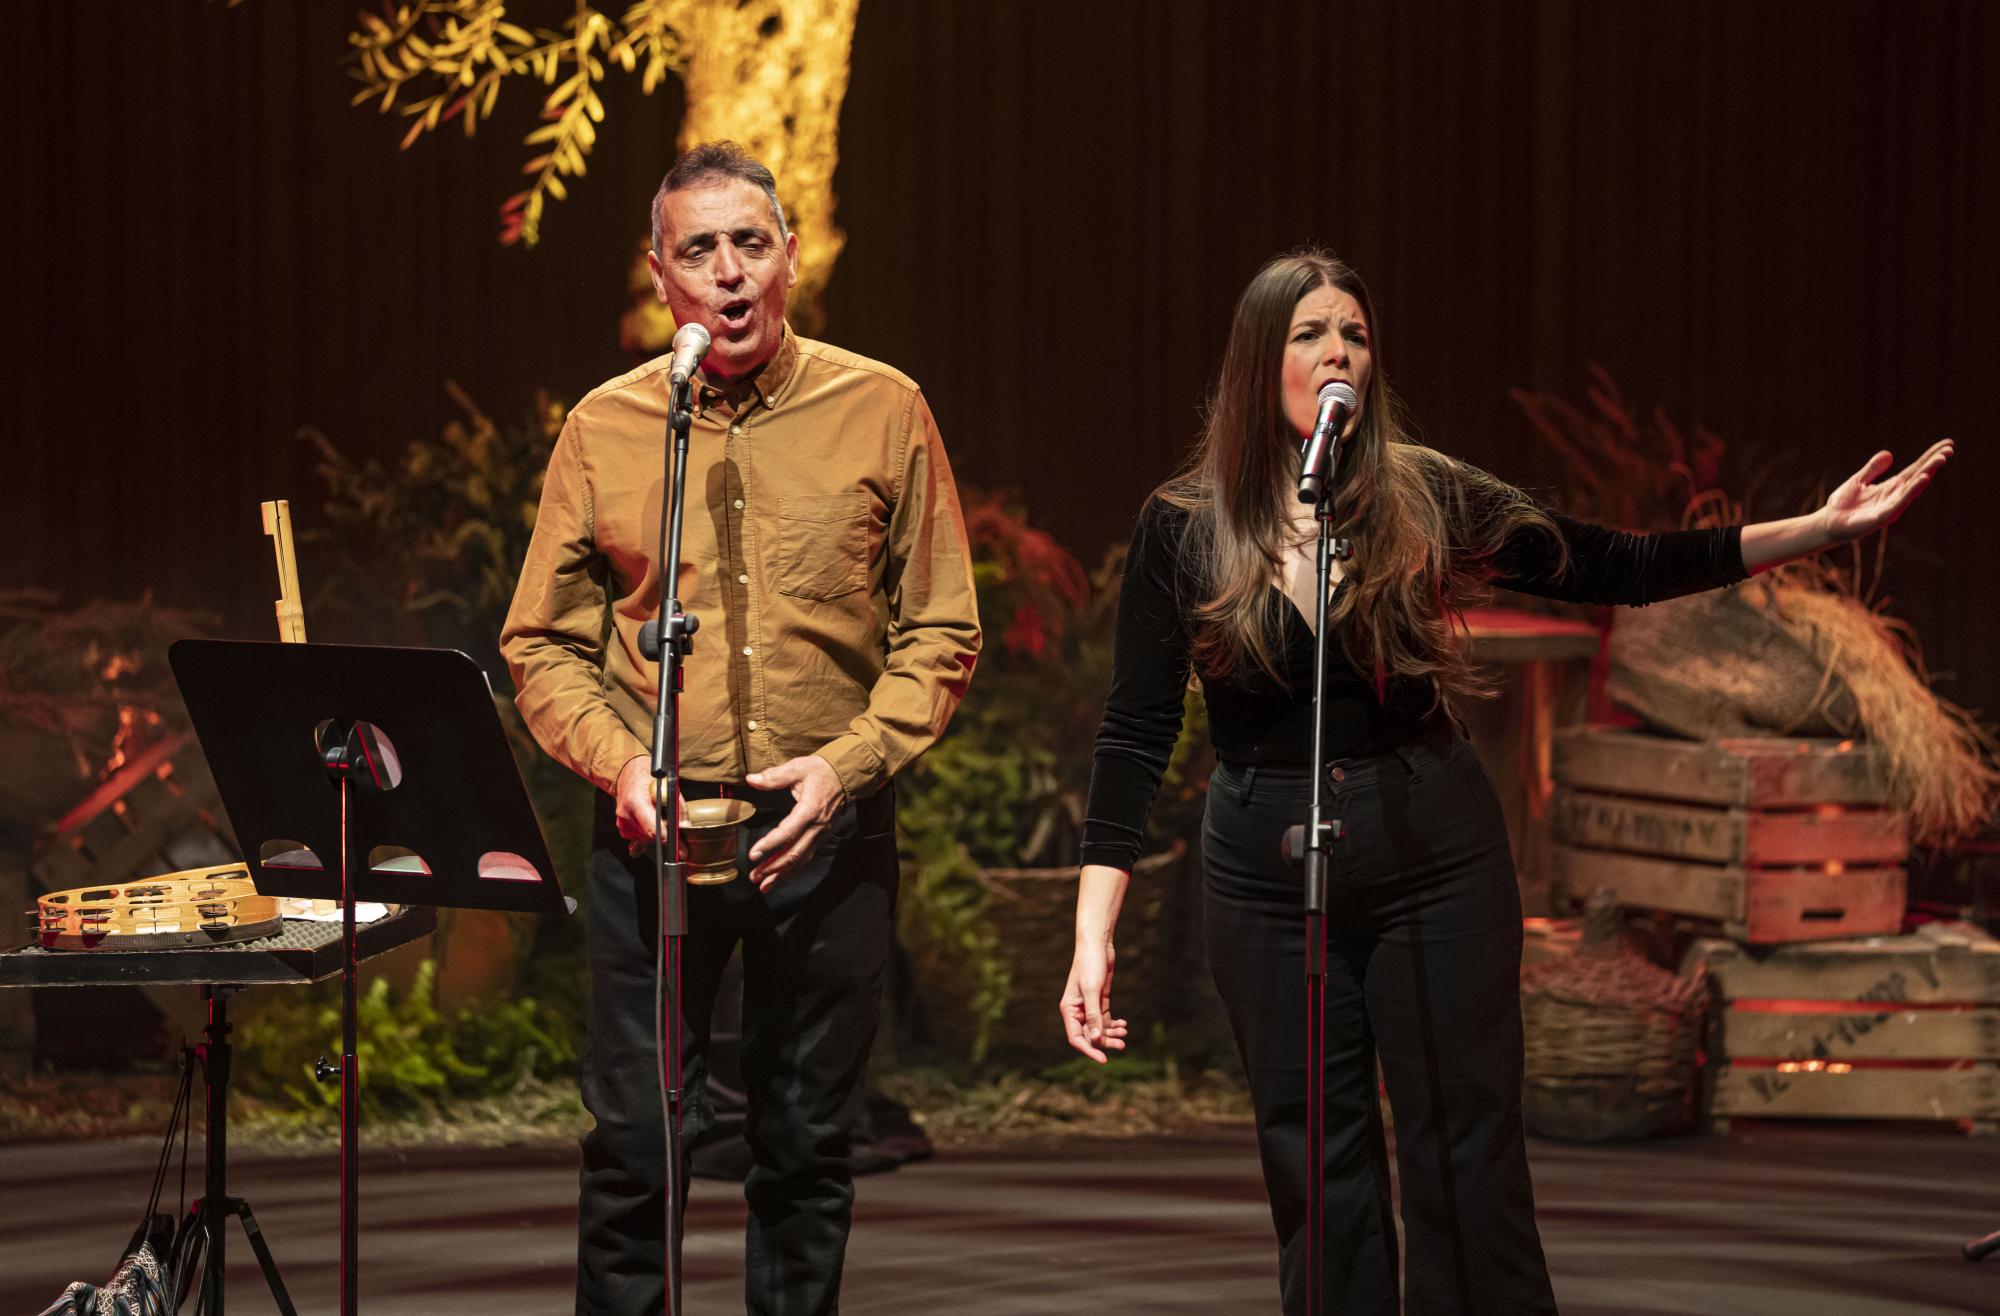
column 1254, row 720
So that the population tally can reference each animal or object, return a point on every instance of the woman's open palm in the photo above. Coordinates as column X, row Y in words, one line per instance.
column 1860, row 506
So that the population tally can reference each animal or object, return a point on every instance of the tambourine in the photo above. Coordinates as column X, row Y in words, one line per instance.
column 194, row 907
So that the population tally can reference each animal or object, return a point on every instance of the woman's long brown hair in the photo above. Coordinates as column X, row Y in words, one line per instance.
column 1425, row 528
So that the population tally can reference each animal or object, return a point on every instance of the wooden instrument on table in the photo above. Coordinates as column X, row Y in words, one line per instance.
column 195, row 907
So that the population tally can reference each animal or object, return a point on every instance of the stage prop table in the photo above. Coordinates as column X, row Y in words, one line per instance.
column 1545, row 663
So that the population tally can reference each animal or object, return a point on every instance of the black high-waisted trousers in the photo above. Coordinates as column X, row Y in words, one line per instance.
column 1423, row 971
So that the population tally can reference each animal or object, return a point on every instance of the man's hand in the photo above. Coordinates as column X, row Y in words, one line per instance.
column 637, row 817
column 817, row 789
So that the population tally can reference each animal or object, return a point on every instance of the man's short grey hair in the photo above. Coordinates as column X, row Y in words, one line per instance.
column 711, row 162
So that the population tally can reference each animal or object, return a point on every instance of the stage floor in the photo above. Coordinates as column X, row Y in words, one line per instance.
column 1827, row 1220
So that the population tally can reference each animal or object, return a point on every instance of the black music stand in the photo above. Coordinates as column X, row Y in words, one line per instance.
column 363, row 773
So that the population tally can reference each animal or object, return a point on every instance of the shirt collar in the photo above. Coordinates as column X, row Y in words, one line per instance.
column 764, row 388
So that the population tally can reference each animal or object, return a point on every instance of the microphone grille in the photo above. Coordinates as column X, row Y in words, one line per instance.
column 691, row 335
column 1341, row 392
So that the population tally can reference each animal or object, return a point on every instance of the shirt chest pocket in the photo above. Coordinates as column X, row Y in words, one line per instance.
column 822, row 544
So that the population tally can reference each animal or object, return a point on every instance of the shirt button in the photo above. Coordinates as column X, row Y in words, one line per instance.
column 752, row 724
column 735, row 429
column 746, row 651
column 743, row 580
column 1340, row 774
column 738, row 504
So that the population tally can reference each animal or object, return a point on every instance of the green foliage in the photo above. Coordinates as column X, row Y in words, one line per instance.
column 1121, row 1072
column 1007, row 785
column 414, row 1061
column 428, row 551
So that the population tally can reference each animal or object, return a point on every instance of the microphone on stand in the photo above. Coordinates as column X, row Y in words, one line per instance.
column 690, row 346
column 1337, row 402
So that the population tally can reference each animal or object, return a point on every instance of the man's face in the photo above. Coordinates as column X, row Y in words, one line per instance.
column 722, row 265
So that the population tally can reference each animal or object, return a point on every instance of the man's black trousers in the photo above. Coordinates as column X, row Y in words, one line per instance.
column 814, row 952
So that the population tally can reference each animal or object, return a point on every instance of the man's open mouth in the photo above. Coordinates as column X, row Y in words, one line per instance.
column 736, row 314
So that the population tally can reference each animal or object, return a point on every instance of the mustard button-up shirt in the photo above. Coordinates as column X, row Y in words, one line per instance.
column 823, row 551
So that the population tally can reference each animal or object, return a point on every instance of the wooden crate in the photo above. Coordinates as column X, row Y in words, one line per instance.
column 1903, row 1027
column 1774, row 840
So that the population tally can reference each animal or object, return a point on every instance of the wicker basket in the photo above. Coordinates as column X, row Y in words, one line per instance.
column 1033, row 913
column 1610, row 1040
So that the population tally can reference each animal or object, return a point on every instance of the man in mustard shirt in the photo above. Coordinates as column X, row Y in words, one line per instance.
column 824, row 554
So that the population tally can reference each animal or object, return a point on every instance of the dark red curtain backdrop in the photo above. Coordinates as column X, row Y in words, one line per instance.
column 1776, row 219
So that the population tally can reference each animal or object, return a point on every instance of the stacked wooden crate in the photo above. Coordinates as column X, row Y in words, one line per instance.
column 1904, row 1027
column 1771, row 840
column 1788, row 853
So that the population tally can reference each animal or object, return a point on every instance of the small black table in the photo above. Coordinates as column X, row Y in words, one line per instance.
column 302, row 951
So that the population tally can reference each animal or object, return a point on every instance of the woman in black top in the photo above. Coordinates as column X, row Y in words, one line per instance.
column 1423, row 917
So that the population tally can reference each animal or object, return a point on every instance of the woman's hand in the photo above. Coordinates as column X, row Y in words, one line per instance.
column 1086, row 1001
column 1858, row 507
column 1861, row 507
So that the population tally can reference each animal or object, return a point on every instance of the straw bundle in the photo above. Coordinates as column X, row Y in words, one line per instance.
column 1797, row 653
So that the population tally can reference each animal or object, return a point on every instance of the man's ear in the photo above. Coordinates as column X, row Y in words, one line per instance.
column 792, row 260
column 658, row 269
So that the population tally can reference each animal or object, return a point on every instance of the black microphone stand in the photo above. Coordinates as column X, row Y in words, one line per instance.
column 666, row 640
column 1313, row 844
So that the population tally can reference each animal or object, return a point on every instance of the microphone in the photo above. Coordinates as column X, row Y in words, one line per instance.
column 1337, row 402
column 690, row 346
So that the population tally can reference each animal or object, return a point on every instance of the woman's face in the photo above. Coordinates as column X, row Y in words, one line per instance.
column 1328, row 340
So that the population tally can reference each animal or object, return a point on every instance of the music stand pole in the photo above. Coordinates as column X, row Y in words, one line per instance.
column 667, row 639
column 351, row 762
column 350, row 1064
column 1313, row 844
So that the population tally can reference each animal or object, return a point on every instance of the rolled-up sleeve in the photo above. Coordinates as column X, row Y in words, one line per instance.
column 553, row 639
column 933, row 617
